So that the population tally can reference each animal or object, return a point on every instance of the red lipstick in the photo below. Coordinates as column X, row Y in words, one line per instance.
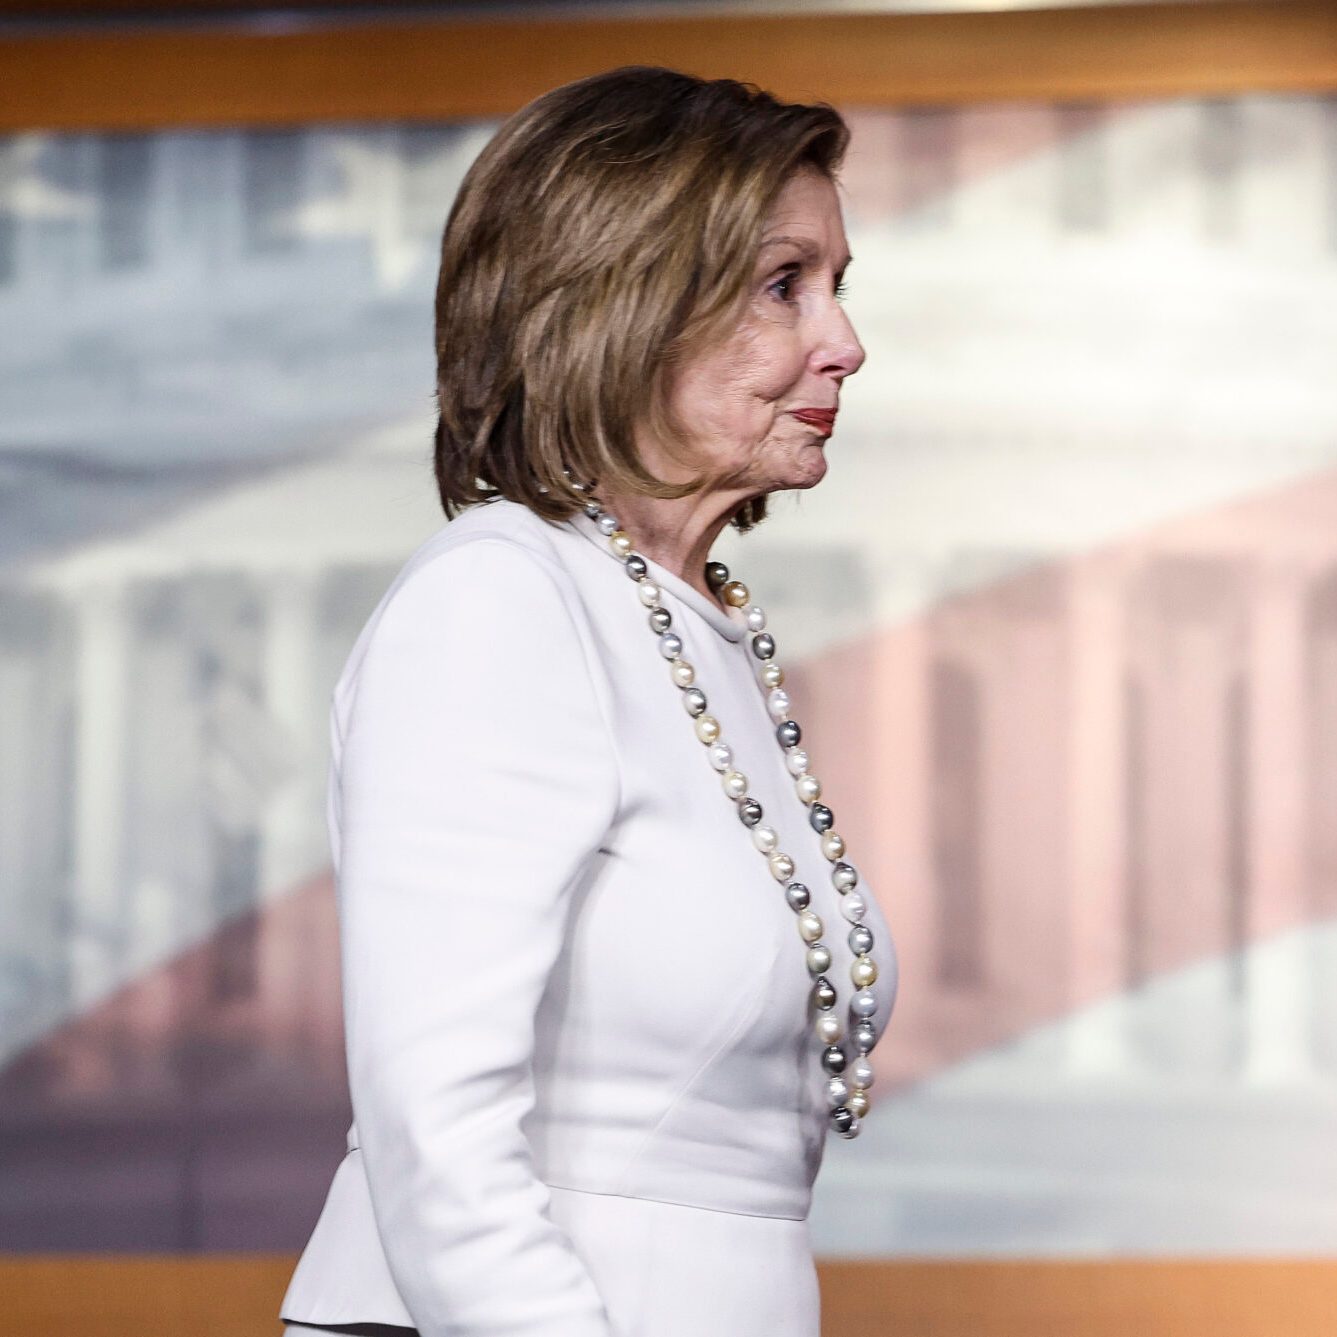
column 822, row 419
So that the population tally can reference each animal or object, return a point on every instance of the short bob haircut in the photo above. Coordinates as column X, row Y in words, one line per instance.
column 606, row 233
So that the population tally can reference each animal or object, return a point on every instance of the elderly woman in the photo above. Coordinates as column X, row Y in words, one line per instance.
column 610, row 978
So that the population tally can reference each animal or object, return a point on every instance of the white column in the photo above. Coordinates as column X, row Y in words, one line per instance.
column 102, row 706
column 1276, row 1035
column 1100, row 1046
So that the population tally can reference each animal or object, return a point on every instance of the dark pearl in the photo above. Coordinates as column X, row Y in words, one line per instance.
column 592, row 509
column 763, row 645
column 789, row 733
column 861, row 939
column 660, row 619
column 821, row 817
column 798, row 896
column 635, row 565
column 717, row 574
column 865, row 1036
column 842, row 1119
column 833, row 1059
column 824, row 994
column 749, row 811
column 845, row 876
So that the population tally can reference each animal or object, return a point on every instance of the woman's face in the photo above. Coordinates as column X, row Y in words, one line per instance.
column 761, row 404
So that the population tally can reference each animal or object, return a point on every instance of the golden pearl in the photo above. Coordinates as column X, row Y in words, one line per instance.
column 863, row 972
column 782, row 866
column 809, row 926
column 735, row 594
column 857, row 1104
column 833, row 846
column 772, row 675
column 620, row 542
column 683, row 673
column 707, row 728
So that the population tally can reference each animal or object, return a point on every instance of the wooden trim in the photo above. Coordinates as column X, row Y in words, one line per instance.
column 238, row 1296
column 235, row 74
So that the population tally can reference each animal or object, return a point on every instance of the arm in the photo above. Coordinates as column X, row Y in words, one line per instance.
column 478, row 778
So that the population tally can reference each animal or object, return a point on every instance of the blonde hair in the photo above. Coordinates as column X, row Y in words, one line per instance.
column 606, row 232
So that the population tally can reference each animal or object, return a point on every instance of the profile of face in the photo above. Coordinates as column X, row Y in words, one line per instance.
column 760, row 404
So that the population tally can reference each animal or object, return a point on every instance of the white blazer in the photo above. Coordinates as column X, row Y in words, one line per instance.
column 565, row 965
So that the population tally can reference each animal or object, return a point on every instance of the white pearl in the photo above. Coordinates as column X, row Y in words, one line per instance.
column 649, row 593
column 778, row 704
column 809, row 926
column 782, row 866
column 830, row 1028
column 853, row 906
column 837, row 1091
column 861, row 1074
column 765, row 838
column 607, row 524
column 683, row 673
column 797, row 761
column 735, row 783
column 756, row 618
column 721, row 756
column 833, row 845
column 809, row 788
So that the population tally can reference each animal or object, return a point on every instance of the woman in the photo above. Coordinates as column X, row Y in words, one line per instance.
column 608, row 978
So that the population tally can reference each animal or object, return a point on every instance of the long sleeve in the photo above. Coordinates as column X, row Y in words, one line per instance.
column 477, row 779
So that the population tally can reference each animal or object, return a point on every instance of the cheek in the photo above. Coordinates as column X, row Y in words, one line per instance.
column 768, row 361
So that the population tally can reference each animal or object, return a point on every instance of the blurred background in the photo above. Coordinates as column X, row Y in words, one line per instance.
column 1063, row 612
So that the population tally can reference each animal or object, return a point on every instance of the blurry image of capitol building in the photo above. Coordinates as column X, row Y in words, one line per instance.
column 1061, row 619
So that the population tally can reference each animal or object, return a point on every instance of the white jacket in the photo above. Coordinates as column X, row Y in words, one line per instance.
column 564, row 961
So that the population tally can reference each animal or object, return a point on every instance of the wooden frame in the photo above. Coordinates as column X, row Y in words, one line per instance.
column 238, row 73
column 231, row 1296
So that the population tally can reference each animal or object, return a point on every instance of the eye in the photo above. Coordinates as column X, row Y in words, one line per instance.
column 840, row 290
column 782, row 286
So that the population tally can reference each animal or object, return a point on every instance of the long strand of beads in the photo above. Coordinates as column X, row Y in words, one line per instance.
column 847, row 1078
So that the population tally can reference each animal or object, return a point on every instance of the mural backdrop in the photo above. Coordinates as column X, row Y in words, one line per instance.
column 1066, row 605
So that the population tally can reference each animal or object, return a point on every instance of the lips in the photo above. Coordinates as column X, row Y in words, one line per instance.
column 824, row 420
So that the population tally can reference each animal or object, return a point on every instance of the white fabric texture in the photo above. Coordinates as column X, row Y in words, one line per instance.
column 584, row 1078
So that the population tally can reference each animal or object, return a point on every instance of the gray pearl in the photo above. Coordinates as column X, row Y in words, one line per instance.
column 842, row 1119
column 864, row 1003
column 749, row 811
column 763, row 645
column 660, row 620
column 670, row 645
column 789, row 733
column 824, row 994
column 865, row 1036
column 607, row 524
column 717, row 574
column 861, row 939
column 694, row 701
column 798, row 897
column 819, row 958
column 592, row 509
column 844, row 876
column 833, row 1059
column 635, row 565
column 821, row 818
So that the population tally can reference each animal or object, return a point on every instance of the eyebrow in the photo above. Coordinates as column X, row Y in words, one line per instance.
column 804, row 244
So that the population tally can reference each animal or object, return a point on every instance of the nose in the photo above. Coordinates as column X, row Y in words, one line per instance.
column 839, row 352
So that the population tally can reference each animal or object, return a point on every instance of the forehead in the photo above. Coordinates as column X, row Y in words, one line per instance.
column 806, row 213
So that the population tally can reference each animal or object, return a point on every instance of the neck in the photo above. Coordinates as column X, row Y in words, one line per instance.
column 676, row 533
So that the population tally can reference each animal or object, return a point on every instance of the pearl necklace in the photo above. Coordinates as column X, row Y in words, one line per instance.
column 846, row 1079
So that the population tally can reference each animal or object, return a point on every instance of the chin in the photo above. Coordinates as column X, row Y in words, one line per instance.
column 809, row 469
